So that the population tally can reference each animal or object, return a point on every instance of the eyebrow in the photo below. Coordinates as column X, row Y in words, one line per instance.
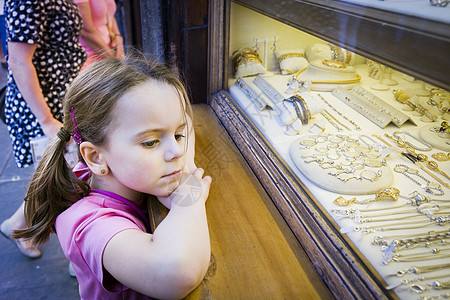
column 148, row 131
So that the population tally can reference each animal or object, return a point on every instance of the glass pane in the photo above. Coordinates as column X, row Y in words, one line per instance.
column 370, row 143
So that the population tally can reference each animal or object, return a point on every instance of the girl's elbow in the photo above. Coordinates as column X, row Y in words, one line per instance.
column 188, row 274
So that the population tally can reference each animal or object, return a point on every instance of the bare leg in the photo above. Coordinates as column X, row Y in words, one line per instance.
column 17, row 221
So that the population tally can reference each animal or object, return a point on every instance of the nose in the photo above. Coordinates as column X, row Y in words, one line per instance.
column 174, row 150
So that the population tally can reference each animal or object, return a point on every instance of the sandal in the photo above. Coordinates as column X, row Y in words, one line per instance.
column 23, row 245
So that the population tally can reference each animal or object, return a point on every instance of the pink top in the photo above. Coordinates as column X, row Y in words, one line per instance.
column 84, row 230
column 99, row 10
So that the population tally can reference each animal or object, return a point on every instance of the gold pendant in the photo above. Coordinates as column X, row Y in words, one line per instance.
column 341, row 201
column 390, row 193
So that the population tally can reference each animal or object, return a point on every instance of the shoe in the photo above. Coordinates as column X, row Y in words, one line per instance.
column 71, row 270
column 23, row 245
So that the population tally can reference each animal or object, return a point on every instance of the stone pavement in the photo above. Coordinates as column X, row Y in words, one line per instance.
column 21, row 277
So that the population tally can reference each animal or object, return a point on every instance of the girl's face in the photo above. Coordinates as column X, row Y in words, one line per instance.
column 146, row 148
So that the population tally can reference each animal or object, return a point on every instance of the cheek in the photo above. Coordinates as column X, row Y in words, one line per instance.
column 134, row 171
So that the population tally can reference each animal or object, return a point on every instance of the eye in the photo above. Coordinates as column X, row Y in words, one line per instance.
column 150, row 144
column 179, row 137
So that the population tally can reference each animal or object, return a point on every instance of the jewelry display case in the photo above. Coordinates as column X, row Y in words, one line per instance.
column 342, row 109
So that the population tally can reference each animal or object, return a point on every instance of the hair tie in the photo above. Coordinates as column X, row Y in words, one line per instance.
column 76, row 133
column 63, row 135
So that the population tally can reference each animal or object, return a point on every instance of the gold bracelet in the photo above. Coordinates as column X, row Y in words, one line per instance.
column 348, row 57
column 323, row 113
column 245, row 55
column 439, row 92
column 381, row 139
column 418, row 158
column 246, row 59
column 334, row 64
column 339, row 113
column 287, row 55
column 343, row 81
column 336, row 120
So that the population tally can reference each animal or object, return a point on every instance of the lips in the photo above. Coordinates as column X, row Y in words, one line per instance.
column 174, row 173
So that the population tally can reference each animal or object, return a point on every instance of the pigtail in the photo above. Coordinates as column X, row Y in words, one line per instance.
column 52, row 189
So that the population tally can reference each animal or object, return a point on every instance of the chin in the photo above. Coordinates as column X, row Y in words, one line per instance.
column 166, row 188
column 169, row 190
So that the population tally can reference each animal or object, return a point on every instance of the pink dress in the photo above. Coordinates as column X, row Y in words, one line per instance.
column 99, row 10
column 84, row 230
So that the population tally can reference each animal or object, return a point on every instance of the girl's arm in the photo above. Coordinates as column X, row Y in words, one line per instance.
column 20, row 57
column 171, row 262
column 90, row 35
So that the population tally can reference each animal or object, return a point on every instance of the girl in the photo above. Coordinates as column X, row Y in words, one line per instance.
column 130, row 119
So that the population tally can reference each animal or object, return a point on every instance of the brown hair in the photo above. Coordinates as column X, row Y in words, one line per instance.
column 93, row 96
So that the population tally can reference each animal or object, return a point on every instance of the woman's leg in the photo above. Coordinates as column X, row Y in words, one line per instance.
column 15, row 222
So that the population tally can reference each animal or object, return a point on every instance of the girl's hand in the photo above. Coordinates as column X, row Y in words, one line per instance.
column 192, row 189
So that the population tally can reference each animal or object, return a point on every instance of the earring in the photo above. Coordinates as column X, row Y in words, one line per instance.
column 275, row 46
column 256, row 47
column 103, row 171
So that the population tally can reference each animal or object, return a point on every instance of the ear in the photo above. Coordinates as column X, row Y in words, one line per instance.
column 94, row 158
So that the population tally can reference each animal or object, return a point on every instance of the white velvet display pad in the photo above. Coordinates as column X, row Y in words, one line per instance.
column 293, row 63
column 267, row 120
column 318, row 71
column 433, row 138
column 249, row 69
column 321, row 178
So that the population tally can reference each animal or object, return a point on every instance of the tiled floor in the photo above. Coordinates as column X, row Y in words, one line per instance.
column 20, row 277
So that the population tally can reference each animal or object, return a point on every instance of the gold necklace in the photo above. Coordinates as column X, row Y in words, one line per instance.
column 343, row 81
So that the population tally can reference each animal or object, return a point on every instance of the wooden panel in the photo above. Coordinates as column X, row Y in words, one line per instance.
column 186, row 38
column 254, row 253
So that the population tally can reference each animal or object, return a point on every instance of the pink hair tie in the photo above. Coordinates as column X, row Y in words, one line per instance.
column 76, row 133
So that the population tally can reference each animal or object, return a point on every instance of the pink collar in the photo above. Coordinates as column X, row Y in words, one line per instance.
column 83, row 173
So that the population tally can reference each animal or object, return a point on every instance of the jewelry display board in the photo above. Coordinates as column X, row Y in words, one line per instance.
column 353, row 151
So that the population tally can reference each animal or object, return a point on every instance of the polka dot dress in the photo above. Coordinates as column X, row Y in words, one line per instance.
column 54, row 26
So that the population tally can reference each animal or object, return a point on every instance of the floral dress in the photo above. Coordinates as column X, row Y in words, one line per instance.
column 54, row 26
